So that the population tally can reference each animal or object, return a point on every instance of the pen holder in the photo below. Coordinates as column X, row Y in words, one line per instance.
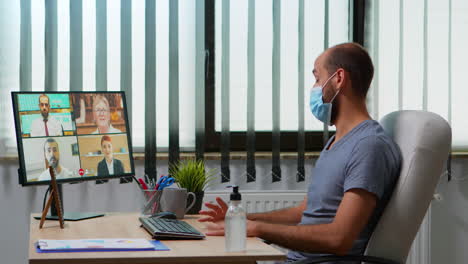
column 151, row 202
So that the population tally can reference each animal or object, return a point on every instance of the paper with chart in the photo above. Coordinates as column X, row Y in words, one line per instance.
column 95, row 243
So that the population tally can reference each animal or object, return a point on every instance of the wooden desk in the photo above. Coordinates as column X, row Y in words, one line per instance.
column 127, row 225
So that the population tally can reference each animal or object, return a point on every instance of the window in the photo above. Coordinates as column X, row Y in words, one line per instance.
column 102, row 59
column 314, row 19
column 236, row 50
column 101, row 56
column 418, row 48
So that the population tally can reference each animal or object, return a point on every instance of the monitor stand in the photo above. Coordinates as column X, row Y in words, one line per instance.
column 68, row 216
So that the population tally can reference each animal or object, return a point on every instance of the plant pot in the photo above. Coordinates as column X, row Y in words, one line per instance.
column 198, row 202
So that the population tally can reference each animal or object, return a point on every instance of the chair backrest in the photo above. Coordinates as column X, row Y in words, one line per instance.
column 424, row 139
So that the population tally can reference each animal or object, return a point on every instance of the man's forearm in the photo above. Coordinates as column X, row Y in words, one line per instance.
column 322, row 238
column 287, row 216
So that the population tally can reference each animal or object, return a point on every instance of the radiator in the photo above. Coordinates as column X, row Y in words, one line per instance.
column 262, row 201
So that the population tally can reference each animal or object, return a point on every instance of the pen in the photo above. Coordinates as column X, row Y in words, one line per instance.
column 143, row 184
column 150, row 181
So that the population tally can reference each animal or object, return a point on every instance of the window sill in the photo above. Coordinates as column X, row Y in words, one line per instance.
column 240, row 155
column 234, row 155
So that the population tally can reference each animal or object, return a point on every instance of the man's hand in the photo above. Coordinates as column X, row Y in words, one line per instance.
column 217, row 212
column 217, row 228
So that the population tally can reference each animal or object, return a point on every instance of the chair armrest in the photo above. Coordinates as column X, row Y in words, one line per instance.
column 367, row 259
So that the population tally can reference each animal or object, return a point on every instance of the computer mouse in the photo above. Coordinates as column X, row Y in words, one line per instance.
column 167, row 215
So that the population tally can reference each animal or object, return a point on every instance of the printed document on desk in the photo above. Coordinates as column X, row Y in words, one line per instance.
column 98, row 244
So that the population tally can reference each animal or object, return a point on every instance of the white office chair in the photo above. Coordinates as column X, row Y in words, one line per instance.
column 425, row 141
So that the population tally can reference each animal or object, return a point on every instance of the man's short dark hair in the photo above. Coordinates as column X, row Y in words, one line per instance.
column 49, row 140
column 354, row 59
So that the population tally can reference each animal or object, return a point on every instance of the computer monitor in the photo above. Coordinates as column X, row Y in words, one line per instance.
column 82, row 135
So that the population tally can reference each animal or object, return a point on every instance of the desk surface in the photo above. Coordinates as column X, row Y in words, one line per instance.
column 127, row 225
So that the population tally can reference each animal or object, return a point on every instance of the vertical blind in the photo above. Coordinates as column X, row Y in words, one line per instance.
column 96, row 35
column 425, row 68
column 314, row 35
column 154, row 50
column 103, row 45
column 264, row 71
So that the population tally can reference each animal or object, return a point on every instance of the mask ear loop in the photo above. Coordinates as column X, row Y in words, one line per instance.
column 333, row 98
column 326, row 133
column 325, row 84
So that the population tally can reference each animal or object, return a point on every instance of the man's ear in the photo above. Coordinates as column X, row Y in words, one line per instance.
column 342, row 79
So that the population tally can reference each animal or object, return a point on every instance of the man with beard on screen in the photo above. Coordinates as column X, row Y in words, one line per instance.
column 45, row 125
column 52, row 157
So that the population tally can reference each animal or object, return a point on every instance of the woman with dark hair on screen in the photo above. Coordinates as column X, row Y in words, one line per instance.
column 109, row 165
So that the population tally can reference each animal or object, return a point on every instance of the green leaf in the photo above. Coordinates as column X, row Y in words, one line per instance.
column 192, row 174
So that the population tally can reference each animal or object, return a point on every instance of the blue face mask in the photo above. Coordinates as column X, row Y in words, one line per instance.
column 321, row 110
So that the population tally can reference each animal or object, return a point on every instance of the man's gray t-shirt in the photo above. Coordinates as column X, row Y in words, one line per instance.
column 365, row 158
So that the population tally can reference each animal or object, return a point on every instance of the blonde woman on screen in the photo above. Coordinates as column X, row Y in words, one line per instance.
column 101, row 114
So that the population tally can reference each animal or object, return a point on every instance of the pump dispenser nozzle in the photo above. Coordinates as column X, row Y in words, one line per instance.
column 235, row 195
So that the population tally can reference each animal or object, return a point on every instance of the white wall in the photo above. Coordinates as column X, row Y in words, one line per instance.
column 449, row 220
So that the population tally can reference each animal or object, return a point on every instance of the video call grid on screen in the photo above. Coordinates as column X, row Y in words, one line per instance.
column 83, row 135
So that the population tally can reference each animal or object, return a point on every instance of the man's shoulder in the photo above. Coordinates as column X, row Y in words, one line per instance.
column 378, row 144
column 52, row 118
column 37, row 121
column 66, row 173
column 373, row 136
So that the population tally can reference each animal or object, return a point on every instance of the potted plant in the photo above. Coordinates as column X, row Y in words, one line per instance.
column 192, row 175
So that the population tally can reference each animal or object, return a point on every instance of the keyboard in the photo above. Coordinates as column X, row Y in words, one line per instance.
column 163, row 228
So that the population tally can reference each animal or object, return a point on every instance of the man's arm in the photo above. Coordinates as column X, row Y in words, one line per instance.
column 336, row 238
column 289, row 216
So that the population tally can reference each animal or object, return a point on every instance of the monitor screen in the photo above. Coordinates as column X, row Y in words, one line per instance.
column 82, row 135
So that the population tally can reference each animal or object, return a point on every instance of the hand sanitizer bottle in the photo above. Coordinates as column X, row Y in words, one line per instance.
column 235, row 223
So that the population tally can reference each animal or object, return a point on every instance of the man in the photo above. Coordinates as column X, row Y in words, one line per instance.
column 353, row 178
column 45, row 125
column 52, row 158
